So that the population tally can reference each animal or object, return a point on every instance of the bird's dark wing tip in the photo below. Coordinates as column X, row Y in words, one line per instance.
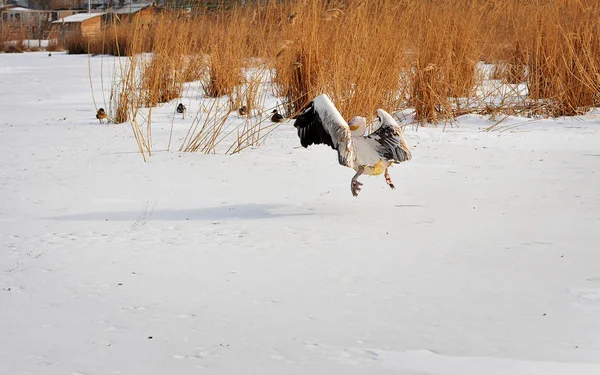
column 310, row 128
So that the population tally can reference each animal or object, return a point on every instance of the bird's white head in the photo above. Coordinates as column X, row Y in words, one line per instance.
column 358, row 126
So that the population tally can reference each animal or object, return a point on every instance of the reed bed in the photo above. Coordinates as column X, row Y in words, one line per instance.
column 439, row 58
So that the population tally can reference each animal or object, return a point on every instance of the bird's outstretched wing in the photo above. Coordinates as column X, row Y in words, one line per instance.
column 322, row 123
column 388, row 140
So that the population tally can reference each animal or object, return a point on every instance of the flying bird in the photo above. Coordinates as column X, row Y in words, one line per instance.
column 372, row 154
column 101, row 115
column 181, row 109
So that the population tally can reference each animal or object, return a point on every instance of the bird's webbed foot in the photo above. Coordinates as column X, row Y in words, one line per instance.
column 355, row 184
column 355, row 187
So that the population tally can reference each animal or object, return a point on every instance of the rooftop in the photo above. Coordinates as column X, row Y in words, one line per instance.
column 18, row 9
column 132, row 8
column 80, row 17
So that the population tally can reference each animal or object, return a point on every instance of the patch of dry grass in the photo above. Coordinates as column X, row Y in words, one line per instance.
column 390, row 54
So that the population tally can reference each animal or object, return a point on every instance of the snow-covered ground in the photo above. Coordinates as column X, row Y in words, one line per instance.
column 485, row 260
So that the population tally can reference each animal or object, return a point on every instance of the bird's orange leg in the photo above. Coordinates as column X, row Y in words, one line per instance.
column 388, row 179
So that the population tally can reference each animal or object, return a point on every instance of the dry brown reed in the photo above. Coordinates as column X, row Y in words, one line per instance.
column 227, row 48
column 553, row 46
column 12, row 41
column 206, row 131
column 54, row 45
column 12, row 45
column 117, row 39
column 390, row 54
column 563, row 57
column 165, row 73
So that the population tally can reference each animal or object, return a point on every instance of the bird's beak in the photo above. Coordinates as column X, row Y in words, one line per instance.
column 353, row 128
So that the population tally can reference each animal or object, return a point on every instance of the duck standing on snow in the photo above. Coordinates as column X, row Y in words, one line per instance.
column 322, row 123
column 101, row 115
column 276, row 116
column 181, row 109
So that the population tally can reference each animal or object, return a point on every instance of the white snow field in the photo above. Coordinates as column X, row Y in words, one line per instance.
column 485, row 260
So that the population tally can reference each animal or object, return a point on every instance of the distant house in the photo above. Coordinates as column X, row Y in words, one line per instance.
column 92, row 24
column 84, row 24
column 24, row 23
column 17, row 13
column 143, row 13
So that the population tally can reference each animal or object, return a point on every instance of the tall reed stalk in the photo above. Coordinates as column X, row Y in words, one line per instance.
column 430, row 56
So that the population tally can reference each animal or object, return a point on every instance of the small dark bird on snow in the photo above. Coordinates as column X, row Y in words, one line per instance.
column 276, row 116
column 243, row 111
column 101, row 115
column 181, row 109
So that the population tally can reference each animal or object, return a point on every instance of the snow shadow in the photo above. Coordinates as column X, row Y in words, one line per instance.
column 243, row 211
